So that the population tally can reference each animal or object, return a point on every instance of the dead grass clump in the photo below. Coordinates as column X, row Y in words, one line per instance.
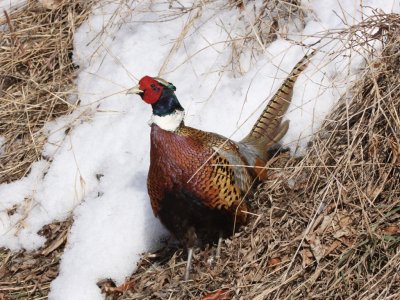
column 36, row 75
column 327, row 225
column 264, row 23
column 27, row 275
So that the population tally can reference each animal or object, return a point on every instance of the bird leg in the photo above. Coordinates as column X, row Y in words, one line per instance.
column 218, row 254
column 191, row 239
column 189, row 263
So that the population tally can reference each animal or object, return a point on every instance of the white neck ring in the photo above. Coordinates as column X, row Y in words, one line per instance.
column 169, row 122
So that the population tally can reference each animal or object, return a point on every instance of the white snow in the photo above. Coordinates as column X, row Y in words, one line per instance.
column 10, row 5
column 7, row 6
column 97, row 168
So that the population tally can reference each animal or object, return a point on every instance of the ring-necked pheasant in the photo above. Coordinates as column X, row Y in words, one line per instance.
column 198, row 181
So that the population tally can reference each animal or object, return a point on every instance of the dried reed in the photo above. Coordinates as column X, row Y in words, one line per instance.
column 36, row 78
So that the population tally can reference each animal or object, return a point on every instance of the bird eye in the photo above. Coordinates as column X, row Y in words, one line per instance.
column 154, row 87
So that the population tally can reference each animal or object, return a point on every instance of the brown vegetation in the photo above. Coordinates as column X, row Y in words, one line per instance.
column 36, row 78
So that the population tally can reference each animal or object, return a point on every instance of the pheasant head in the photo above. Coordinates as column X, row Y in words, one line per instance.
column 167, row 111
column 159, row 93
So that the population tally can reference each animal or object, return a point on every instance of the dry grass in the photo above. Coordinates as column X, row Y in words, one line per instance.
column 270, row 21
column 264, row 23
column 27, row 275
column 36, row 78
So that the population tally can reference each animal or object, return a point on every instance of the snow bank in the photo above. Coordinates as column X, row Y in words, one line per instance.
column 11, row 4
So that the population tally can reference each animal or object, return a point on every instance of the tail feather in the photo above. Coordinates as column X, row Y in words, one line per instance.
column 269, row 129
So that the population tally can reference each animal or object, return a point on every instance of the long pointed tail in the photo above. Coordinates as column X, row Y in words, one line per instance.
column 269, row 129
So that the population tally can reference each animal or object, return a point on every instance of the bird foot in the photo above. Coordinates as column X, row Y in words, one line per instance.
column 217, row 256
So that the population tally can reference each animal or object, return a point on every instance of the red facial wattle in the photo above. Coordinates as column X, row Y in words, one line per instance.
column 152, row 90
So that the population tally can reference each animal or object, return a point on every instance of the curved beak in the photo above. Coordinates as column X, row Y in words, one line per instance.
column 134, row 90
